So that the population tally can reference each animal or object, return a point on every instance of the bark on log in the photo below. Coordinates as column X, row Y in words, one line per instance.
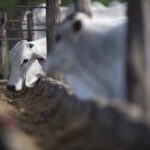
column 52, row 18
column 91, row 125
column 95, row 124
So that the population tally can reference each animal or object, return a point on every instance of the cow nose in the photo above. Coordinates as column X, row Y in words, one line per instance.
column 11, row 88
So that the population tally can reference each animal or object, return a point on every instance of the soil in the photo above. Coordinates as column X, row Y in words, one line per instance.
column 48, row 118
column 26, row 109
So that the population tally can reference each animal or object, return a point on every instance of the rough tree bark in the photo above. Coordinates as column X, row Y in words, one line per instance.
column 138, row 71
column 92, row 124
column 80, row 125
column 52, row 18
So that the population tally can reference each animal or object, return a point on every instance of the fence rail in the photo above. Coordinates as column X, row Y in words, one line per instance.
column 12, row 24
column 28, row 6
column 26, row 30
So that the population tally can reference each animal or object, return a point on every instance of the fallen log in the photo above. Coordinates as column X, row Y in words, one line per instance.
column 91, row 125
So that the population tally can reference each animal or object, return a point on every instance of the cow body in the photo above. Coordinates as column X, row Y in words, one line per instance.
column 39, row 21
column 97, row 8
column 91, row 53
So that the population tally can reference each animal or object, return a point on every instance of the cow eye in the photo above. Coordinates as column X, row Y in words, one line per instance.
column 25, row 61
column 58, row 38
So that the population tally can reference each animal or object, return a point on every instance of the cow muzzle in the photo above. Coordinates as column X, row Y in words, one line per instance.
column 11, row 88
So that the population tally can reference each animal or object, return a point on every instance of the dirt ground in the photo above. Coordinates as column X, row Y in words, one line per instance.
column 54, row 120
column 49, row 120
column 26, row 108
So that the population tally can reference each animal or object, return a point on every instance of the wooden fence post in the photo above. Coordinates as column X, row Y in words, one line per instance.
column 52, row 18
column 30, row 26
column 138, row 65
column 4, row 56
column 2, row 22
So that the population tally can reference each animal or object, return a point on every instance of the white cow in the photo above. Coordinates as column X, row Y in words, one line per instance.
column 39, row 21
column 24, row 24
column 26, row 63
column 91, row 53
column 114, row 10
column 97, row 8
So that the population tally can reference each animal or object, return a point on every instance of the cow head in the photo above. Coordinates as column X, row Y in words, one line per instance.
column 63, row 51
column 25, row 61
column 91, row 54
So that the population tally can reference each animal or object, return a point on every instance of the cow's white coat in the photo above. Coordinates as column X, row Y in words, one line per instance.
column 115, row 9
column 93, row 59
column 28, row 71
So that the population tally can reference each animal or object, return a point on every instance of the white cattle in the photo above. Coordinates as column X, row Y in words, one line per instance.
column 39, row 21
column 91, row 53
column 97, row 8
column 24, row 25
column 26, row 63
column 114, row 10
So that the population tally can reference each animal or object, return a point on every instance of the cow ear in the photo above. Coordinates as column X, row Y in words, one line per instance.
column 31, row 45
column 77, row 26
column 40, row 56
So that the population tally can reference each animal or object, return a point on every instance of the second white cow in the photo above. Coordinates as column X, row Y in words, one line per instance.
column 26, row 63
column 91, row 53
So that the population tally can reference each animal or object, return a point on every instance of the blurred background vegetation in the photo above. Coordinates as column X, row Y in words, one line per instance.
column 9, row 5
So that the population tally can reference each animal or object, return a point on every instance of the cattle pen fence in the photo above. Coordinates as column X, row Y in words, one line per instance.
column 12, row 31
column 14, row 25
